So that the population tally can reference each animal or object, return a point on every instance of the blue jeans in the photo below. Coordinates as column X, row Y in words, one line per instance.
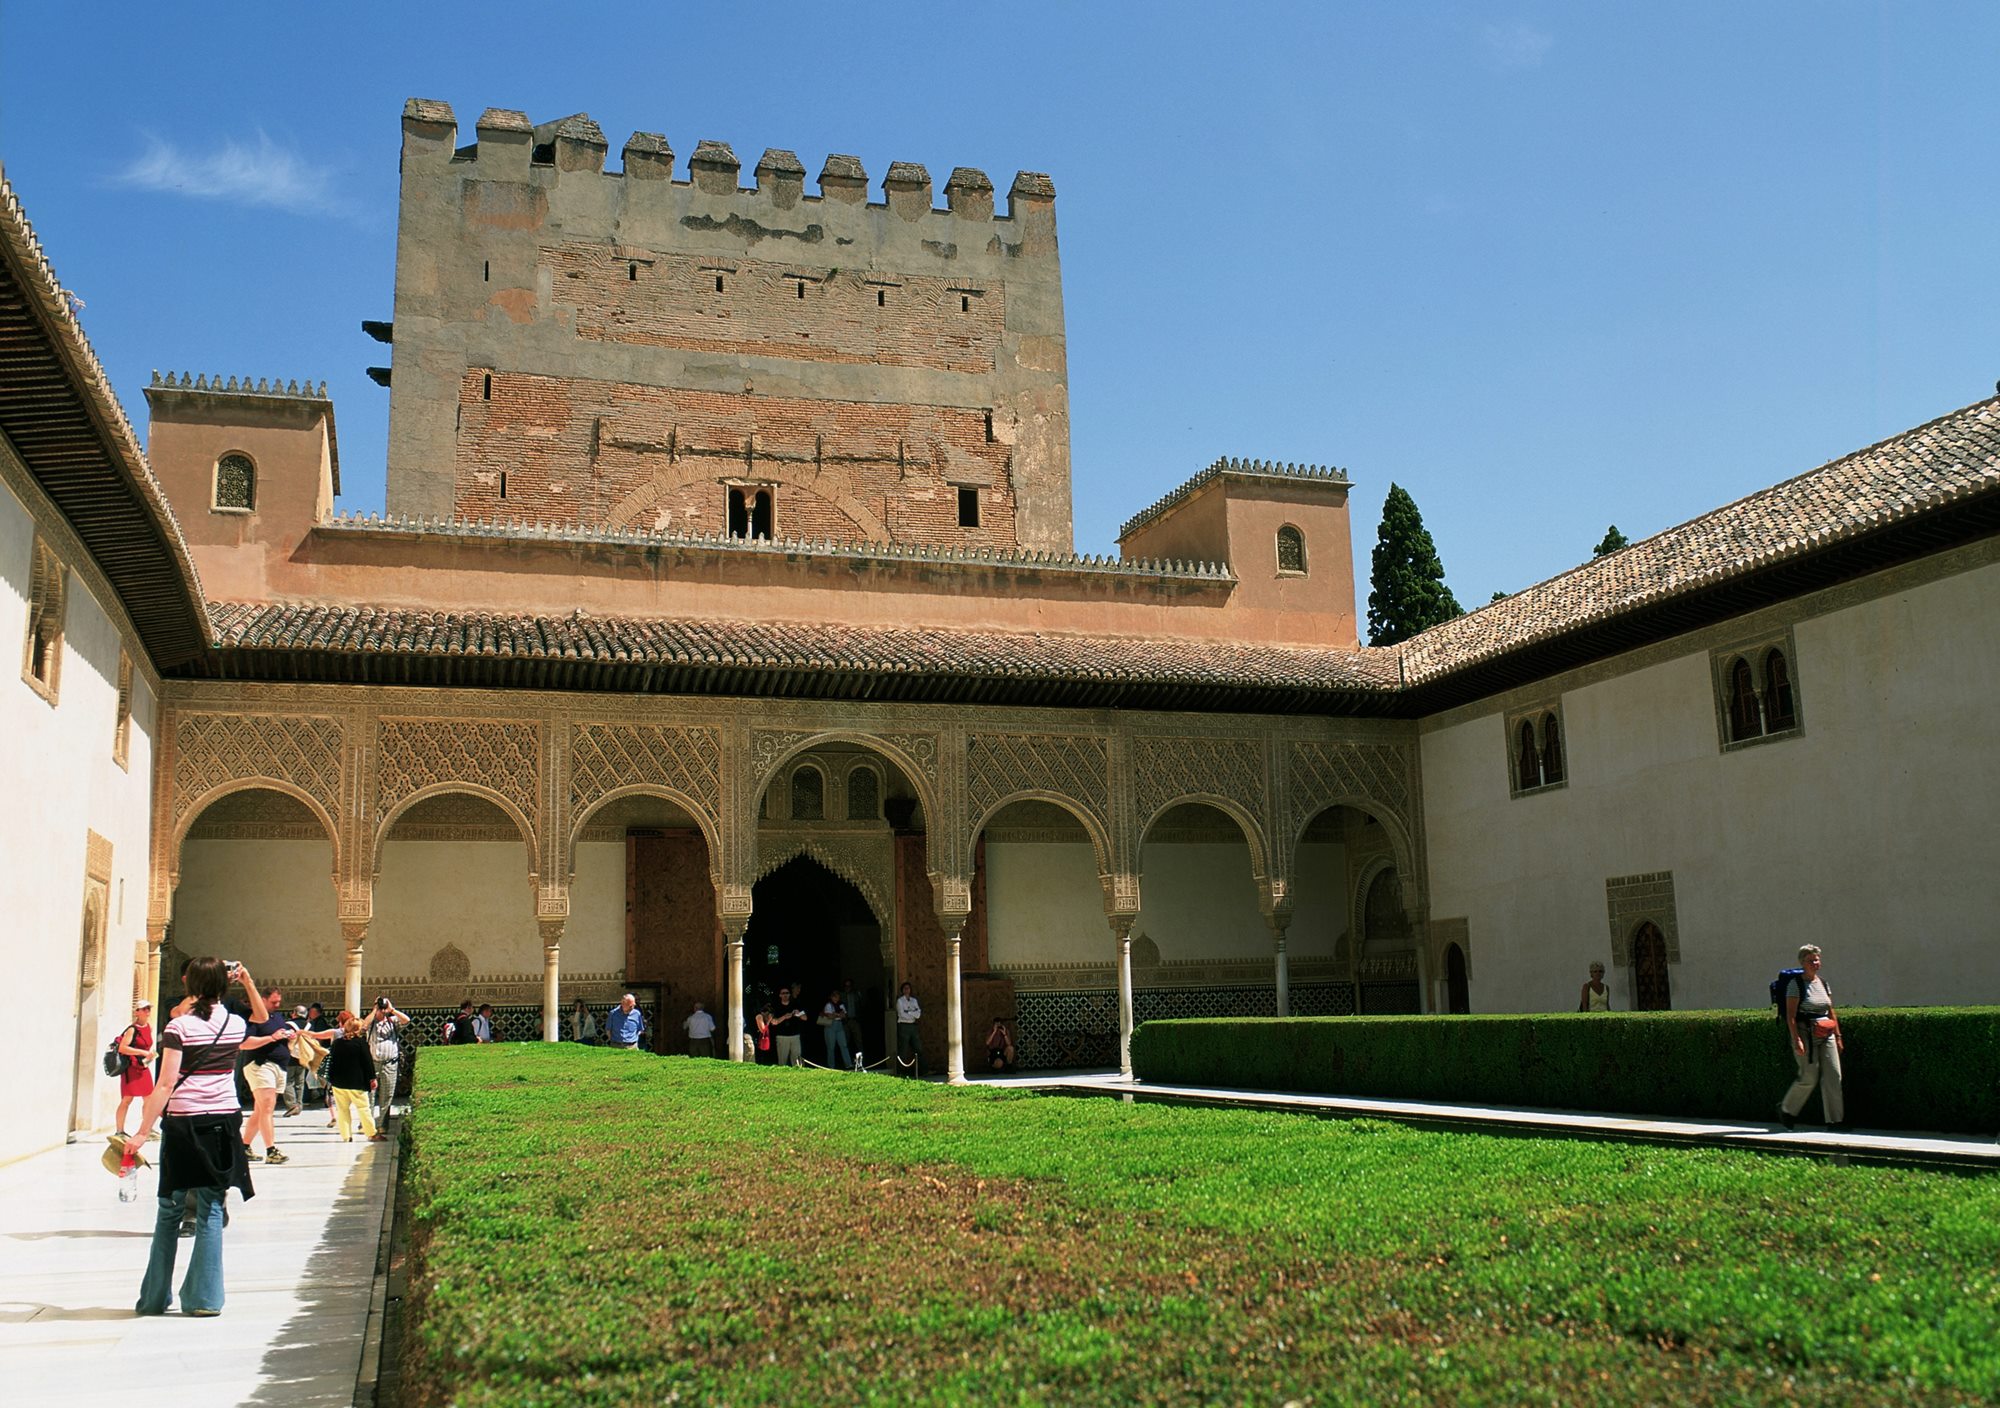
column 837, row 1054
column 202, row 1290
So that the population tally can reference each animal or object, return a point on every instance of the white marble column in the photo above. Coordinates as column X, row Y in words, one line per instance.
column 552, row 937
column 733, row 927
column 954, row 1011
column 355, row 933
column 1121, row 930
column 1279, row 923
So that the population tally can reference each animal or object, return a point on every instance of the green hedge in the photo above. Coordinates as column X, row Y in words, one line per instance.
column 1931, row 1068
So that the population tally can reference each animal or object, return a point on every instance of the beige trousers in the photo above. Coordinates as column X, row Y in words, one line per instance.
column 1824, row 1072
column 349, row 1105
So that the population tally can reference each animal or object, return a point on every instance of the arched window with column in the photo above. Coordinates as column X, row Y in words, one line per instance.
column 1745, row 720
column 864, row 794
column 1527, row 758
column 1781, row 712
column 1552, row 750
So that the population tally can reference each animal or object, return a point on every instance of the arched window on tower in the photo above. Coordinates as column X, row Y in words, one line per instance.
column 1291, row 550
column 864, row 795
column 760, row 515
column 236, row 483
column 808, row 794
column 1779, row 708
column 1552, row 750
column 1744, row 720
column 1527, row 762
column 739, row 514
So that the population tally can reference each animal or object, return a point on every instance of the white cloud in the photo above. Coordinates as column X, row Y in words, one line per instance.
column 1516, row 44
column 257, row 172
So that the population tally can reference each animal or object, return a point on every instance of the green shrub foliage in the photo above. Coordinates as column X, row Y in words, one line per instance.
column 1906, row 1068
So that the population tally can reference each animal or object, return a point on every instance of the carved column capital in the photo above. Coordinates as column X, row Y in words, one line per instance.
column 734, row 927
column 354, row 933
column 551, row 927
column 1121, row 922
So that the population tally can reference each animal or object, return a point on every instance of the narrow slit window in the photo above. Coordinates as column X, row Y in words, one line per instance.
column 632, row 273
column 486, row 272
column 989, row 427
column 881, row 298
column 503, row 483
column 802, row 288
column 718, row 283
column 486, row 387
column 968, row 508
column 964, row 303
column 121, row 732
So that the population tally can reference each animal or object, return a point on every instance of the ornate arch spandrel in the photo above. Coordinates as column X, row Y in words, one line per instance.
column 177, row 838
column 1070, row 770
column 1094, row 827
column 1228, row 773
column 215, row 753
column 1376, row 779
column 500, row 758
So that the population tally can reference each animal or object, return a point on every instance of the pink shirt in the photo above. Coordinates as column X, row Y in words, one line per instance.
column 208, row 1062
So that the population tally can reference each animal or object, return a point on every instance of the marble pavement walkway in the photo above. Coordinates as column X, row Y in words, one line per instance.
column 299, row 1264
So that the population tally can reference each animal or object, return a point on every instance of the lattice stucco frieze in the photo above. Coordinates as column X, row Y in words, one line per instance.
column 606, row 757
column 212, row 750
column 1075, row 766
column 1166, row 768
column 502, row 756
column 1321, row 774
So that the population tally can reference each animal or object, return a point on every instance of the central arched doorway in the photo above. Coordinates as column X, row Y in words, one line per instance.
column 811, row 930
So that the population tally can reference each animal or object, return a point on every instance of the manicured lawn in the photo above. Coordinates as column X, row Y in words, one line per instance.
column 598, row 1228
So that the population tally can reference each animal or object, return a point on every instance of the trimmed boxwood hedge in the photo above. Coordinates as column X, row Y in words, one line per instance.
column 1931, row 1068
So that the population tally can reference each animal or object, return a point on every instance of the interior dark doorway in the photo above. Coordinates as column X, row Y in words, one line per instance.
column 810, row 928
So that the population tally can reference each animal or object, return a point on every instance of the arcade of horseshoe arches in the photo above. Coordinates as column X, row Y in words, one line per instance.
column 552, row 763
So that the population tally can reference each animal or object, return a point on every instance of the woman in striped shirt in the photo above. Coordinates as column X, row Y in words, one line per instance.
column 201, row 1148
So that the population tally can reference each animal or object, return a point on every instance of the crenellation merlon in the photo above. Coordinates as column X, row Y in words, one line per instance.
column 969, row 194
column 843, row 178
column 578, row 143
column 1241, row 468
column 505, row 144
column 715, row 168
column 782, row 177
column 241, row 386
column 647, row 157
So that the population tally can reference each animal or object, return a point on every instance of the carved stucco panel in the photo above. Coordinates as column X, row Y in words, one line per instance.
column 1075, row 766
column 1321, row 774
column 605, row 757
column 1166, row 768
column 213, row 750
column 503, row 756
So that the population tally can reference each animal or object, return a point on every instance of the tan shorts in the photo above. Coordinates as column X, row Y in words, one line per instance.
column 264, row 1075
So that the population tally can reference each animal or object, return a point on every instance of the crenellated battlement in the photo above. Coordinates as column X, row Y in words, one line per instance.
column 1247, row 469
column 508, row 146
column 243, row 386
column 572, row 337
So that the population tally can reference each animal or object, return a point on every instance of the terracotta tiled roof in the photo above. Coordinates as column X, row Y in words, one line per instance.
column 884, row 654
column 1952, row 459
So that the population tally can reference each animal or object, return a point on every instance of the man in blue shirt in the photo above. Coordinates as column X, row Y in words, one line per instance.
column 625, row 1025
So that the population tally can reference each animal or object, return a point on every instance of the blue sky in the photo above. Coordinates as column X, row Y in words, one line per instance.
column 1547, row 266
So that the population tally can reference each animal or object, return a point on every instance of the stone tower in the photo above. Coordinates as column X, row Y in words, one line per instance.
column 626, row 350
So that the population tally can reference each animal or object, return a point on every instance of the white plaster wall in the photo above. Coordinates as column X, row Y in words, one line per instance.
column 1197, row 901
column 1872, row 833
column 271, row 904
column 57, row 782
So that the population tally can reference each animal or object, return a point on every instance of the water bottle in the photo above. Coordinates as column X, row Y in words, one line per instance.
column 128, row 1180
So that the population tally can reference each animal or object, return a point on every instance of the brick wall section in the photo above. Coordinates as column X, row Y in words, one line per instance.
column 630, row 456
column 642, row 297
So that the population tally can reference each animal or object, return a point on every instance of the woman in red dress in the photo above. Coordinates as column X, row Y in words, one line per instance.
column 135, row 1043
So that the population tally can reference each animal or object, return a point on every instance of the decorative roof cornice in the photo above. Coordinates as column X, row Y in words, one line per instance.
column 273, row 386
column 1176, row 569
column 132, row 531
column 1242, row 469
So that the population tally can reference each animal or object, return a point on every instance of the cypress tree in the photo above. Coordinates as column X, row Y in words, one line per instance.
column 1613, row 540
column 1409, row 594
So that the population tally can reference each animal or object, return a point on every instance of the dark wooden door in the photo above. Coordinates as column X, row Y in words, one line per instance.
column 672, row 938
column 1651, row 989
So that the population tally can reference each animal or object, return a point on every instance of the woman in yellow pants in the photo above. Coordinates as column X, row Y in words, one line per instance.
column 350, row 1075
